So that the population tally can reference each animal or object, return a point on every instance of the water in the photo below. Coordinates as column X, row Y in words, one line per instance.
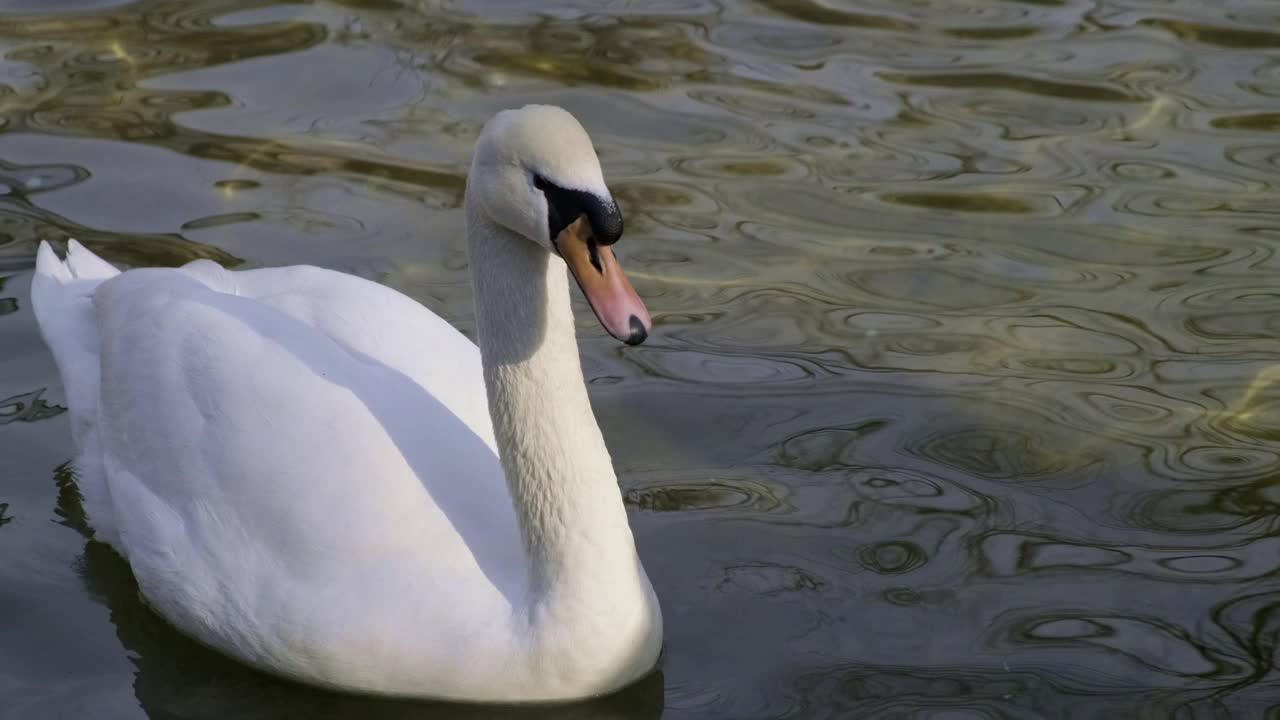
column 961, row 401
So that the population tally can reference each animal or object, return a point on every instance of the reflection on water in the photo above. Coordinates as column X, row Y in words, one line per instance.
column 962, row 399
column 27, row 407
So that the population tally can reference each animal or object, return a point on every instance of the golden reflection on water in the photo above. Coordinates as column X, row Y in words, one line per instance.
column 961, row 396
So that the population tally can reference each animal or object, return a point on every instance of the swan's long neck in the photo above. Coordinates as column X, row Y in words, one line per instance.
column 559, row 473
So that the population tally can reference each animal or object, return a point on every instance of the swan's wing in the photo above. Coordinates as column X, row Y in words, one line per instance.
column 275, row 484
column 371, row 320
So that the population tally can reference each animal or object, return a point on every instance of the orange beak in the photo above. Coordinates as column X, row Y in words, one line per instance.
column 615, row 303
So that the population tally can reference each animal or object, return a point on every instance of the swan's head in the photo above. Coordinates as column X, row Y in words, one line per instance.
column 536, row 173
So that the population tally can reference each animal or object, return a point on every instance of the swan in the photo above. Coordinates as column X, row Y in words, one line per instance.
column 317, row 476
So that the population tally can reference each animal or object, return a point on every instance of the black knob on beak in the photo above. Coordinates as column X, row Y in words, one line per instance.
column 565, row 205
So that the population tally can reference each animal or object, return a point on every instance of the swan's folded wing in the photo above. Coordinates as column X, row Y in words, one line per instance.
column 374, row 322
column 274, row 491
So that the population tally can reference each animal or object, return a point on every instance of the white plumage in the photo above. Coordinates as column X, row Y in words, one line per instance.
column 301, row 468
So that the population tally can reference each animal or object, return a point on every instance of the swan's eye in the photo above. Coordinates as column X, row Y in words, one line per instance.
column 540, row 183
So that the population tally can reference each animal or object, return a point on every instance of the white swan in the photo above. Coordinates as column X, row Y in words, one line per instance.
column 303, row 470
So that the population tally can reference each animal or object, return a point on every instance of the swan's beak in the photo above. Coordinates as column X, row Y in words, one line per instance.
column 616, row 304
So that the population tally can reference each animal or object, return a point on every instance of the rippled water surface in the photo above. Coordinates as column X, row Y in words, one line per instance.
column 961, row 400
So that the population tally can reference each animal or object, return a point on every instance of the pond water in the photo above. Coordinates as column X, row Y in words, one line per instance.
column 961, row 400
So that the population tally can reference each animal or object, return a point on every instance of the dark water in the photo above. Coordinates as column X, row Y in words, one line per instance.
column 961, row 401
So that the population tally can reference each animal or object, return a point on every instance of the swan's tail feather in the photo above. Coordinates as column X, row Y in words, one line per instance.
column 85, row 265
column 62, row 300
column 48, row 265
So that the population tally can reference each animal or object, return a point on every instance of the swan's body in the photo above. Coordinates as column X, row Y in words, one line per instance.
column 301, row 467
